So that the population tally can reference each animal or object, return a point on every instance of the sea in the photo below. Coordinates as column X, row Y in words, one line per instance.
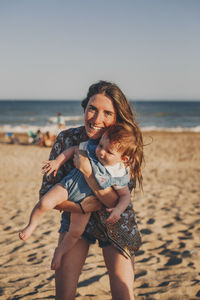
column 31, row 115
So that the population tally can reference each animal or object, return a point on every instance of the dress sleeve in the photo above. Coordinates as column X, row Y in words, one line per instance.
column 65, row 139
column 49, row 181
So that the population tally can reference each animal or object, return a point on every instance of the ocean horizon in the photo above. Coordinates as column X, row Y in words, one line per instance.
column 25, row 115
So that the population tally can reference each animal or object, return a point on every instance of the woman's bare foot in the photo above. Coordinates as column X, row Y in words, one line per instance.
column 26, row 232
column 55, row 263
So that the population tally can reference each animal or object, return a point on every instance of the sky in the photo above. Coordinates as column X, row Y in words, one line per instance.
column 57, row 49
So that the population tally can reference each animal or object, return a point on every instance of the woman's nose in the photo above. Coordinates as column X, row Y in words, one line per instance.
column 98, row 118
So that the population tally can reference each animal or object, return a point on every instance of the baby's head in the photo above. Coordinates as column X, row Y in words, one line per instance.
column 117, row 145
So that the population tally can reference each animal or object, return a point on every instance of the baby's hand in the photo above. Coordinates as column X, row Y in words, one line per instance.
column 114, row 216
column 50, row 166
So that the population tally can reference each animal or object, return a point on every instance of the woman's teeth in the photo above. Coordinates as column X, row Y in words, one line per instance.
column 95, row 128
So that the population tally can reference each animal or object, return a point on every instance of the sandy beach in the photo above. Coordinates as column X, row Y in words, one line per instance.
column 168, row 211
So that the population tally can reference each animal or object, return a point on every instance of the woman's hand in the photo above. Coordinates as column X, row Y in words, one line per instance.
column 82, row 162
column 90, row 204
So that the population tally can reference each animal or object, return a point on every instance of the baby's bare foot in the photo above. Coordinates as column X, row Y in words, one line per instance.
column 26, row 233
column 55, row 263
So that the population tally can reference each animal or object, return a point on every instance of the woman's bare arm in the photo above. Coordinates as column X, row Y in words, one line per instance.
column 68, row 206
column 89, row 204
column 107, row 196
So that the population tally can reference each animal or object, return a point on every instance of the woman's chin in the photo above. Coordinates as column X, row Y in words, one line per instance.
column 94, row 134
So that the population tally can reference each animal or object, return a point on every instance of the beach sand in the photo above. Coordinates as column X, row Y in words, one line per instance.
column 167, row 264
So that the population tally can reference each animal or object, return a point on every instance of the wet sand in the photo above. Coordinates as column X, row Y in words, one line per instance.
column 167, row 264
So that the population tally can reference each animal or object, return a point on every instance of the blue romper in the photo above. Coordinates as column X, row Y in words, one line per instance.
column 76, row 184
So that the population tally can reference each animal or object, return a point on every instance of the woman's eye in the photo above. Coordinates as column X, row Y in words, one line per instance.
column 108, row 113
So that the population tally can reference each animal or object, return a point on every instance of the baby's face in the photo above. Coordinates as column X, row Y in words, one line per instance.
column 108, row 153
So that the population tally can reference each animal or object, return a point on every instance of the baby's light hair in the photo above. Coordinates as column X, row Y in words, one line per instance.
column 129, row 143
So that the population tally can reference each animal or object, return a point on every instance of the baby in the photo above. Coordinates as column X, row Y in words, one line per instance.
column 111, row 160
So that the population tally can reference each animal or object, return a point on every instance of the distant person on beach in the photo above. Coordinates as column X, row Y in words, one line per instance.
column 35, row 138
column 47, row 139
column 110, row 165
column 11, row 138
column 105, row 105
column 60, row 121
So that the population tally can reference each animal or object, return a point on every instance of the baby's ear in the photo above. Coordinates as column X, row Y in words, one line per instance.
column 125, row 159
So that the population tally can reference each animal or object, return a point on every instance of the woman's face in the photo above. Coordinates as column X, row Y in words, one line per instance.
column 100, row 113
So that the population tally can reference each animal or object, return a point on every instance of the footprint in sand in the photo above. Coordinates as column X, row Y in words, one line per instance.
column 174, row 261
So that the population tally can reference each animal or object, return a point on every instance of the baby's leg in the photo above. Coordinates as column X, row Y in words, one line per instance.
column 54, row 196
column 77, row 226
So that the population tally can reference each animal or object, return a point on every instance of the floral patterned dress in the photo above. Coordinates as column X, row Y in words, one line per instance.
column 124, row 234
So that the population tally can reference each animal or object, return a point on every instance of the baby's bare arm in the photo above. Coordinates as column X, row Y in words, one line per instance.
column 52, row 166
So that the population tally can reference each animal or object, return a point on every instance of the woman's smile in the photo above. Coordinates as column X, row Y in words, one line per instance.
column 95, row 127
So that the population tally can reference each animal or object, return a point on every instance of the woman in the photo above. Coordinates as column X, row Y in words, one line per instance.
column 105, row 105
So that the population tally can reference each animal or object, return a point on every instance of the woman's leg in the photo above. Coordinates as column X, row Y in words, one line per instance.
column 67, row 275
column 78, row 223
column 55, row 196
column 121, row 274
